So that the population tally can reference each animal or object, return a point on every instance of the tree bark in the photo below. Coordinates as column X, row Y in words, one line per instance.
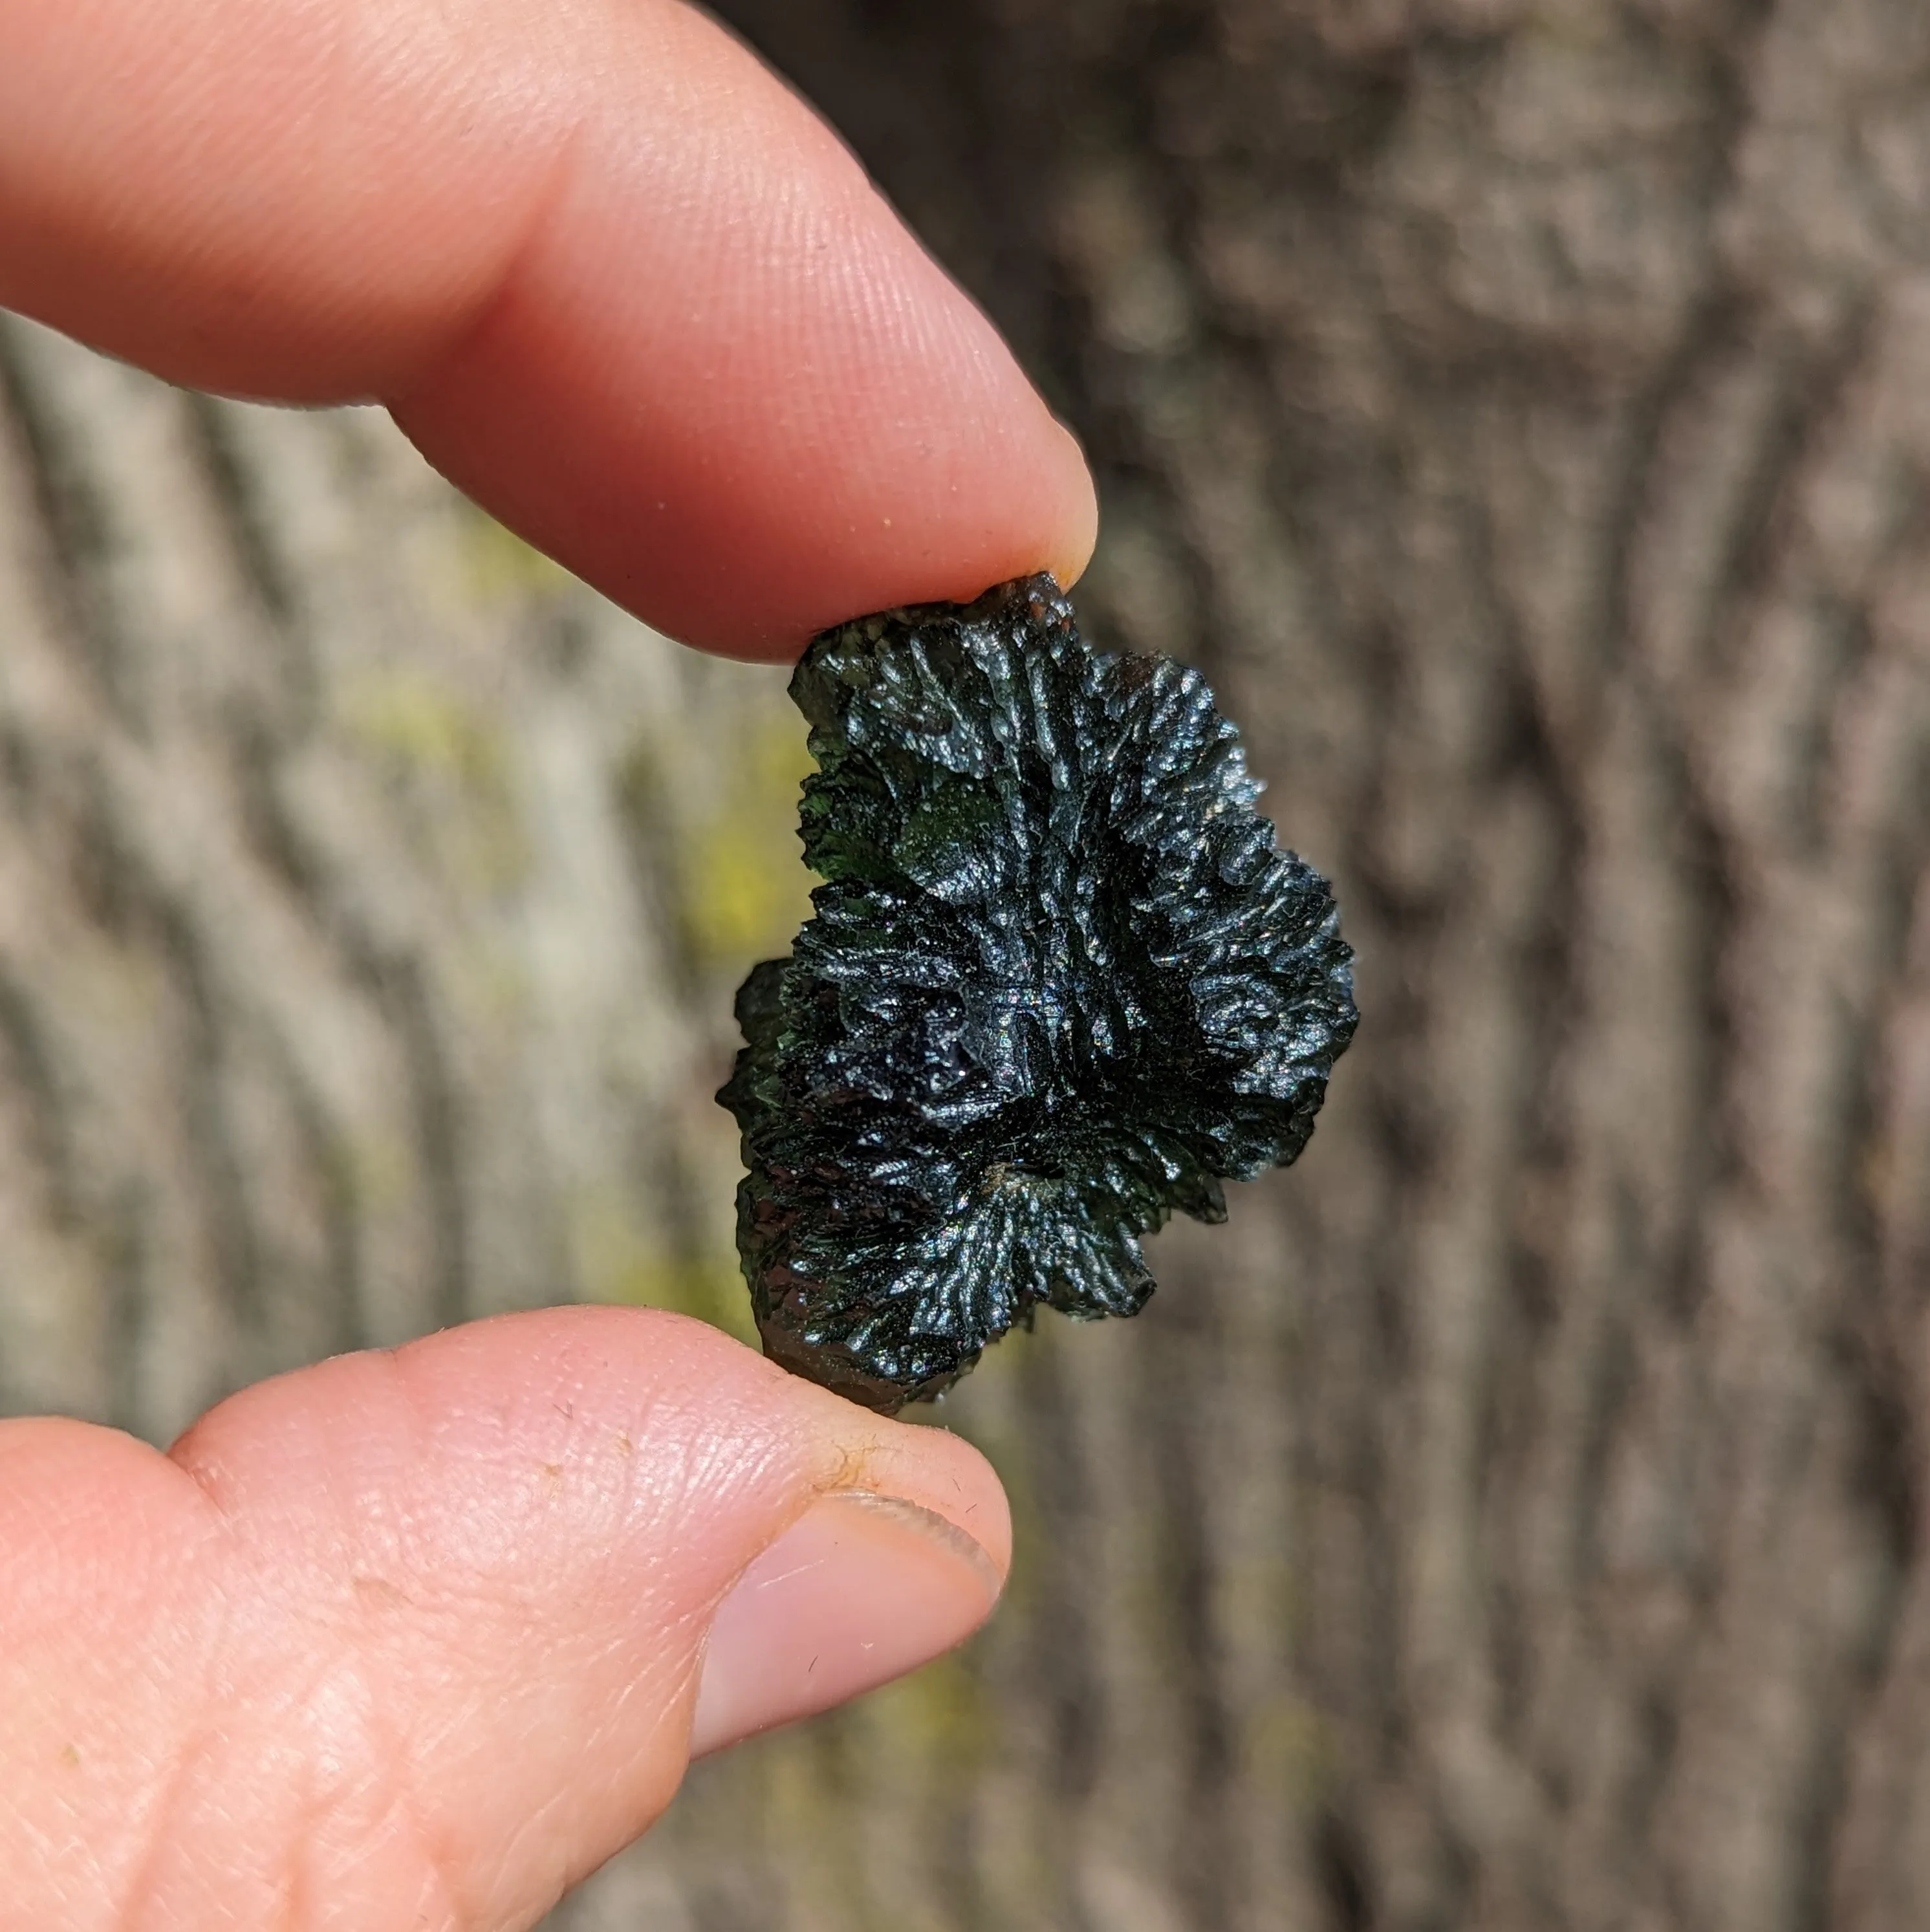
column 1513, row 1519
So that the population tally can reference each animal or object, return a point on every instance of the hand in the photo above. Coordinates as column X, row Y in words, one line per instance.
column 418, row 1639
column 611, row 277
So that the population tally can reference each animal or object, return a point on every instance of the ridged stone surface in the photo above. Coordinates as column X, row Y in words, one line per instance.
column 1061, row 982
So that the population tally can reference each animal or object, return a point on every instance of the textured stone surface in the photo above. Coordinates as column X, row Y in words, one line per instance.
column 1061, row 982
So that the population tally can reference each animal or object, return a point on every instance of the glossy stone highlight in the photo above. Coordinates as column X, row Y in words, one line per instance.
column 1060, row 981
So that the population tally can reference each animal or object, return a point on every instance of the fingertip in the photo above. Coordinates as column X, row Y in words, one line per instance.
column 569, row 1386
column 437, row 1597
column 1074, row 532
column 818, row 453
column 614, row 277
column 528, row 1529
column 860, row 1590
column 922, row 1463
column 902, row 1555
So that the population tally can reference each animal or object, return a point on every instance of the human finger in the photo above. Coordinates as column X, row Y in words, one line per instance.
column 416, row 1639
column 617, row 282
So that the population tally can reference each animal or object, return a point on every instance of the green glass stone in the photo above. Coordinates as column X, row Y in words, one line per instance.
column 1060, row 982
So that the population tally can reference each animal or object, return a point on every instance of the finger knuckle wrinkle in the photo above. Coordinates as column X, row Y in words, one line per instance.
column 297, row 1809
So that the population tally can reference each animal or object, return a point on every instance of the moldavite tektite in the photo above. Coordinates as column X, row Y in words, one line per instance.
column 1060, row 981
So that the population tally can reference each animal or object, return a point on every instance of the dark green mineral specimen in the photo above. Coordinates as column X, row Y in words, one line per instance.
column 1060, row 981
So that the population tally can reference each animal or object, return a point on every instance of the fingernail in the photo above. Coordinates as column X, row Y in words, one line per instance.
column 861, row 1589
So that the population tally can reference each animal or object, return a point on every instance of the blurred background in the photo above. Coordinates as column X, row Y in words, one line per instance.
column 1521, row 409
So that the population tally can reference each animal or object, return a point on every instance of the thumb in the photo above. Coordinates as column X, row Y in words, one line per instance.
column 420, row 1638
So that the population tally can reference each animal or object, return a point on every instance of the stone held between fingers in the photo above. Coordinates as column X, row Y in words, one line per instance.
column 1060, row 981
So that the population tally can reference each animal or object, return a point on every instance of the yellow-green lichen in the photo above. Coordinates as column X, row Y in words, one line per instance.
column 428, row 733
column 616, row 1259
column 498, row 566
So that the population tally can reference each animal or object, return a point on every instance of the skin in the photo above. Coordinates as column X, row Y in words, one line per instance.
column 614, row 279
column 418, row 1639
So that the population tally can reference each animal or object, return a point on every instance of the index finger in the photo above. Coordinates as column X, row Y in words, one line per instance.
column 615, row 280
